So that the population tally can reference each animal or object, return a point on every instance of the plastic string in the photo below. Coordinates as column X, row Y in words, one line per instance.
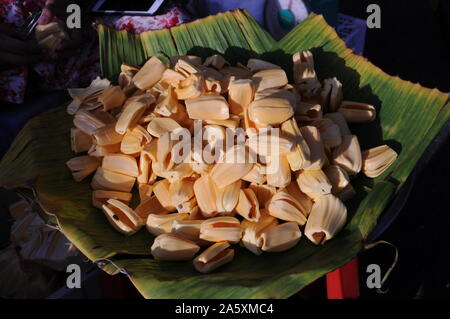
column 100, row 263
column 394, row 263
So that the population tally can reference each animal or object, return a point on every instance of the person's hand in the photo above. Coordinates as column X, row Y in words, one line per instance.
column 15, row 52
column 69, row 46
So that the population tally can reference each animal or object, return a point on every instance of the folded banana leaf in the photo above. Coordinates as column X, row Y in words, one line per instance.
column 409, row 118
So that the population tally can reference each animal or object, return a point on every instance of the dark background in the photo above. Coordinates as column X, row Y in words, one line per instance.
column 414, row 43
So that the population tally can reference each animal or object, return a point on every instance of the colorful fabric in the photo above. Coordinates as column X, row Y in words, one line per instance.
column 173, row 15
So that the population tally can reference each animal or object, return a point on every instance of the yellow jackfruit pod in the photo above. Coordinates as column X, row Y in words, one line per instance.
column 328, row 216
column 214, row 257
column 150, row 73
column 82, row 166
column 108, row 180
column 378, row 159
column 79, row 141
column 173, row 248
column 100, row 197
column 121, row 217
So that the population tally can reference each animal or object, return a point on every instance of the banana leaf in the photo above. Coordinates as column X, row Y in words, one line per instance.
column 410, row 116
